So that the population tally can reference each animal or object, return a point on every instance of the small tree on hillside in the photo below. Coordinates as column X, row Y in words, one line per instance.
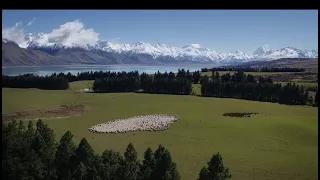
column 215, row 170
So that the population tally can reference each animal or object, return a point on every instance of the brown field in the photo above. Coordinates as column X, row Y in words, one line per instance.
column 61, row 112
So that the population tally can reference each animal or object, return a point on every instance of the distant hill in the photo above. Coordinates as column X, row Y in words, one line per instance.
column 310, row 64
column 13, row 55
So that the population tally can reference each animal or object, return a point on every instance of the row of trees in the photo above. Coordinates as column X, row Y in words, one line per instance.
column 237, row 77
column 250, row 69
column 32, row 153
column 289, row 94
column 60, row 81
column 248, row 87
column 167, row 83
column 259, row 88
column 32, row 81
column 237, row 85
column 161, row 83
column 194, row 77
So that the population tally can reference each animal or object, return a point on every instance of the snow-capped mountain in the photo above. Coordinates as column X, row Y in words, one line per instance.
column 142, row 52
column 261, row 50
column 7, row 41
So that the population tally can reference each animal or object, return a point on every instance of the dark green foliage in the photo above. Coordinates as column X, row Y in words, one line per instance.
column 83, row 154
column 32, row 154
column 130, row 168
column 31, row 81
column 250, row 79
column 148, row 165
column 26, row 154
column 246, row 87
column 105, row 82
column 64, row 152
column 111, row 165
column 215, row 170
column 80, row 173
column 159, row 83
column 164, row 168
column 120, row 82
column 45, row 147
column 196, row 77
column 249, row 69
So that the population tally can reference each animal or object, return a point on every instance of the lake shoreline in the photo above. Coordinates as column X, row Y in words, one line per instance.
column 75, row 69
column 112, row 65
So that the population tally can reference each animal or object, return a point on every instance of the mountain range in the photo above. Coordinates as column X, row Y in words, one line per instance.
column 34, row 51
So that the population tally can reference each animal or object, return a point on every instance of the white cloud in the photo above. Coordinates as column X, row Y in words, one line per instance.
column 73, row 33
column 15, row 34
column 70, row 33
column 31, row 22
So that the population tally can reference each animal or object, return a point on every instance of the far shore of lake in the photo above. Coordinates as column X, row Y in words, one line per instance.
column 110, row 65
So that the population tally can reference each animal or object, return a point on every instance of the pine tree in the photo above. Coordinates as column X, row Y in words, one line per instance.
column 165, row 169
column 148, row 165
column 130, row 164
column 84, row 153
column 204, row 174
column 215, row 170
column 111, row 165
column 63, row 154
column 47, row 150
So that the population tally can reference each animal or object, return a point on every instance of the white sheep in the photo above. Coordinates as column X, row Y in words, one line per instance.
column 156, row 122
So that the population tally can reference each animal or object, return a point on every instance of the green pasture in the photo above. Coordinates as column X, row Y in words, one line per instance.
column 281, row 142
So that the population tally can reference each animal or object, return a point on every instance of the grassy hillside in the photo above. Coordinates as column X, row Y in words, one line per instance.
column 281, row 142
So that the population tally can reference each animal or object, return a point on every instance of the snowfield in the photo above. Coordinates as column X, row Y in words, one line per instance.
column 190, row 53
column 157, row 122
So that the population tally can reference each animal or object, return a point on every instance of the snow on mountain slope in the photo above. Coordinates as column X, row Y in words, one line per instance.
column 288, row 52
column 164, row 53
column 261, row 50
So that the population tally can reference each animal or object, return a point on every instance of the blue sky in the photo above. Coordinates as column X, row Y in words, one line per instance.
column 221, row 30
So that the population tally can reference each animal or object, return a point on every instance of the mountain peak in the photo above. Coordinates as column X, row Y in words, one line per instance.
column 262, row 50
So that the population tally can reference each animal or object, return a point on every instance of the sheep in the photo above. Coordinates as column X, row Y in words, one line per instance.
column 158, row 122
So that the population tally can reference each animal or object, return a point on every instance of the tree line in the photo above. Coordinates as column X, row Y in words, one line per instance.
column 32, row 153
column 250, row 69
column 33, row 81
column 165, row 83
column 237, row 85
column 248, row 87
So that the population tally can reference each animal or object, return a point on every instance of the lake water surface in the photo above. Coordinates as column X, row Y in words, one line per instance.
column 48, row 70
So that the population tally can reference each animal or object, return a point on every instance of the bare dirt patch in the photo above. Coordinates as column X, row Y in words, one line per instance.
column 61, row 112
column 239, row 114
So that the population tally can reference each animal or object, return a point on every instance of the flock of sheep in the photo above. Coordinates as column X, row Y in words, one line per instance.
column 157, row 122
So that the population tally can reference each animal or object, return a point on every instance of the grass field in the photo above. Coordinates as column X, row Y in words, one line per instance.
column 281, row 142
